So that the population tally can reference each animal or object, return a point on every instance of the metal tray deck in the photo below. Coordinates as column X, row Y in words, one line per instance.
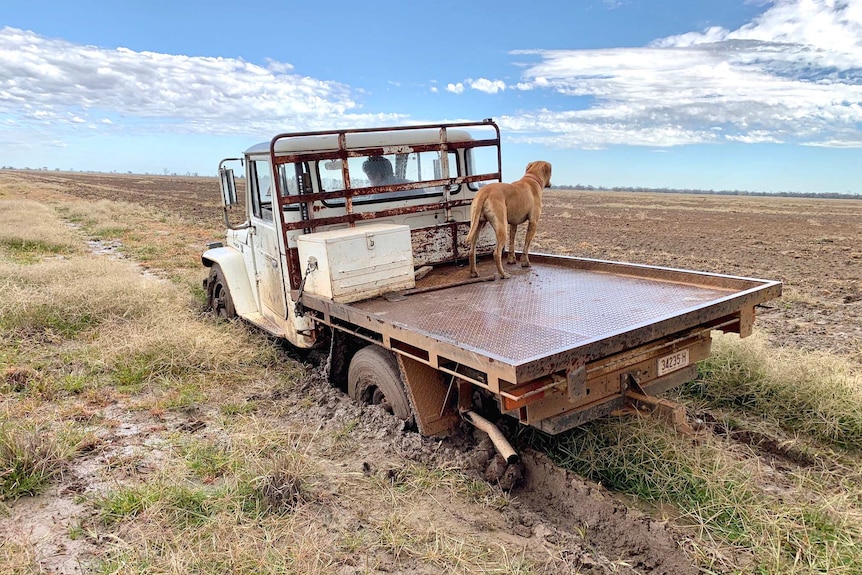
column 561, row 308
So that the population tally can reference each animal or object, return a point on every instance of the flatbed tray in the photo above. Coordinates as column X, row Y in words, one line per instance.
column 545, row 318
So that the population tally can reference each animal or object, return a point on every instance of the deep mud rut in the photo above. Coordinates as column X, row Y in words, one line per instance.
column 570, row 525
column 579, row 527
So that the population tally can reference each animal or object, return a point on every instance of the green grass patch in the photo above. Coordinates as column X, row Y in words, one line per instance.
column 25, row 251
column 811, row 393
column 206, row 460
column 110, row 232
column 30, row 456
column 232, row 408
column 48, row 319
column 145, row 252
column 147, row 366
column 177, row 505
column 183, row 396
column 75, row 384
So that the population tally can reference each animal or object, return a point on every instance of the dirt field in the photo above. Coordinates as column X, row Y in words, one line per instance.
column 814, row 246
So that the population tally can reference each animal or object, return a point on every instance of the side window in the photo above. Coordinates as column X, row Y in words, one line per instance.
column 455, row 169
column 261, row 192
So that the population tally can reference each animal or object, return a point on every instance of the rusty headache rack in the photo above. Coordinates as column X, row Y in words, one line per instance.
column 342, row 152
column 341, row 148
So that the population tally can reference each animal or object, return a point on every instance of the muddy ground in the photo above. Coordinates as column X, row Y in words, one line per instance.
column 814, row 246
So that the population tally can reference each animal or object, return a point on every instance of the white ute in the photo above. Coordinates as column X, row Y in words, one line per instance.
column 354, row 241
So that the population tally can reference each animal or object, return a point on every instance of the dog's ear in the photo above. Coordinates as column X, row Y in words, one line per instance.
column 546, row 171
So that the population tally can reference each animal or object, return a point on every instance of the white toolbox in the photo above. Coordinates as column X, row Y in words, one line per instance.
column 357, row 263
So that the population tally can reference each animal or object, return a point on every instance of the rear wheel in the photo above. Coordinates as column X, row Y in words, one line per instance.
column 375, row 379
column 218, row 294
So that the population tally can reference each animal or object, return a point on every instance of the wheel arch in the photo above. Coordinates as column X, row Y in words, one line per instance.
column 235, row 273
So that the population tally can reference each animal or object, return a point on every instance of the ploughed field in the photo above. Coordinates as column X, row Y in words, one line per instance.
column 812, row 245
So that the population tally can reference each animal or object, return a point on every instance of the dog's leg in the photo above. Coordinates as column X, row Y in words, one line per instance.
column 532, row 224
column 477, row 223
column 472, row 239
column 500, row 230
column 513, row 230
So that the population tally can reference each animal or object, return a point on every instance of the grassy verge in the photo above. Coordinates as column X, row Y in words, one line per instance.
column 814, row 394
column 88, row 344
column 748, row 517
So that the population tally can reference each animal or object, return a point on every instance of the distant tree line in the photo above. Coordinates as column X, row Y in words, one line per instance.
column 129, row 172
column 829, row 195
column 581, row 187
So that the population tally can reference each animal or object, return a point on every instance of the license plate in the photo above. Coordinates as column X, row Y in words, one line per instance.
column 672, row 362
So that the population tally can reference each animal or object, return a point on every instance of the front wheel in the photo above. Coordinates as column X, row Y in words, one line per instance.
column 375, row 379
column 218, row 294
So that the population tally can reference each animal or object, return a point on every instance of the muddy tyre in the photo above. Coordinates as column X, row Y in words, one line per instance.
column 375, row 379
column 218, row 294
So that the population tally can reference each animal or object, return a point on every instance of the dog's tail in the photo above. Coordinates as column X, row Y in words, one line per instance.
column 476, row 208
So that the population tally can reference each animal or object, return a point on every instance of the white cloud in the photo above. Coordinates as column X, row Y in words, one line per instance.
column 487, row 86
column 480, row 84
column 50, row 82
column 794, row 74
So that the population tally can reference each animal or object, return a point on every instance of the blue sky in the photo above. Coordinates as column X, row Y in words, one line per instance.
column 761, row 95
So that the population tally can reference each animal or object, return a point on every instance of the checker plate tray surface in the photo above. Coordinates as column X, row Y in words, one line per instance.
column 539, row 311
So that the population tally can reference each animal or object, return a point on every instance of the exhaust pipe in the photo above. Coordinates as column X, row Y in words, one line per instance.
column 497, row 438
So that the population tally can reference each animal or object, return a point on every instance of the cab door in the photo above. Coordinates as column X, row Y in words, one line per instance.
column 267, row 258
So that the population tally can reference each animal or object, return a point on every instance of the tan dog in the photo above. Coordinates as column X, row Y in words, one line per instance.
column 500, row 203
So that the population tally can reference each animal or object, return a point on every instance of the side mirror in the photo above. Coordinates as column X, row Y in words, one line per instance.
column 228, row 187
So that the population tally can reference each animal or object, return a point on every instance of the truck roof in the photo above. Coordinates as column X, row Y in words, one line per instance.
column 357, row 139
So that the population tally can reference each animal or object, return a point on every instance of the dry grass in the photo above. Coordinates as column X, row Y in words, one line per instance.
column 815, row 394
column 747, row 517
column 154, row 239
column 17, row 559
column 31, row 455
